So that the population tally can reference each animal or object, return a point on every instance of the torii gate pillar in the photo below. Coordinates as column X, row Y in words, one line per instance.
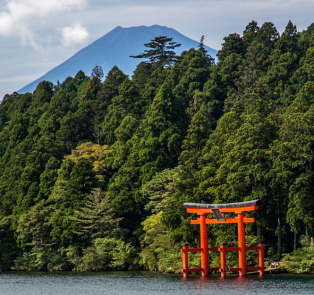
column 241, row 243
column 204, row 245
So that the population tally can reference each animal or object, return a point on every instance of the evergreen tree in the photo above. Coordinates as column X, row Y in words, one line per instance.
column 267, row 35
column 216, row 147
column 195, row 140
column 202, row 49
column 141, row 75
column 300, row 77
column 128, row 102
column 250, row 32
column 233, row 44
column 250, row 71
column 292, row 161
column 97, row 72
column 75, row 182
column 242, row 172
column 160, row 189
column 196, row 70
column 96, row 219
column 79, row 78
column 3, row 118
column 164, row 124
column 48, row 178
column 288, row 41
column 34, row 227
column 161, row 51
column 188, row 179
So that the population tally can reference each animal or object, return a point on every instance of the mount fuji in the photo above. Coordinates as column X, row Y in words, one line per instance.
column 114, row 48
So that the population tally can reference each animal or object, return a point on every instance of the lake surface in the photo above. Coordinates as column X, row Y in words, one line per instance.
column 138, row 283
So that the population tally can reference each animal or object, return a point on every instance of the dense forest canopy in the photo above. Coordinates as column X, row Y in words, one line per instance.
column 93, row 173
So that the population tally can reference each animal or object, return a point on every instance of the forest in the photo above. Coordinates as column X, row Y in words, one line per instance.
column 94, row 171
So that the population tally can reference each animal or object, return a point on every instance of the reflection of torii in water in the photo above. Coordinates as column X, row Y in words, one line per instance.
column 219, row 211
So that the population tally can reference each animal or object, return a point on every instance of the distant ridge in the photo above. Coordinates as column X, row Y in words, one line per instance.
column 114, row 48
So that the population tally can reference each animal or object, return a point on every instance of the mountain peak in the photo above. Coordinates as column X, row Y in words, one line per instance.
column 114, row 48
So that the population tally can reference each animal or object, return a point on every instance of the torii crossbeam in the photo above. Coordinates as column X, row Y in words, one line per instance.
column 219, row 211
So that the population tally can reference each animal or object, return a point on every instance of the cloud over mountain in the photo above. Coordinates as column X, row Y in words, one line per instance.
column 74, row 34
column 22, row 17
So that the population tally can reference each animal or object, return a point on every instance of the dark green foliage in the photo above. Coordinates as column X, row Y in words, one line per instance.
column 156, row 146
column 161, row 51
column 160, row 189
column 128, row 102
column 141, row 75
column 201, row 47
column 92, row 171
column 97, row 72
column 111, row 85
column 288, row 42
column 267, row 35
column 233, row 44
column 292, row 169
column 250, row 71
column 251, row 31
column 3, row 118
column 79, row 78
column 96, row 218
column 75, row 182
column 188, row 180
column 48, row 178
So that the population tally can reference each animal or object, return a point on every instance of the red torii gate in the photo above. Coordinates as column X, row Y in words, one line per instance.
column 219, row 211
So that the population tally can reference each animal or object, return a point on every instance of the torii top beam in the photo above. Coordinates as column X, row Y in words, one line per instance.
column 227, row 207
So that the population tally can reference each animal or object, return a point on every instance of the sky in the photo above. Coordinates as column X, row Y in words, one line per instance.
column 38, row 35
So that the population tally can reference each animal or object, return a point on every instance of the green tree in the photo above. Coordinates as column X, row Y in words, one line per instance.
column 243, row 169
column 96, row 219
column 267, row 35
column 160, row 189
column 128, row 102
column 75, row 182
column 161, row 51
column 141, row 75
column 48, row 178
column 250, row 71
column 292, row 171
column 97, row 72
column 201, row 47
column 111, row 85
column 250, row 32
column 233, row 44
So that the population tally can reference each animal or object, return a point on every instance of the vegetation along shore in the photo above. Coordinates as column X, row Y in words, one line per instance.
column 93, row 174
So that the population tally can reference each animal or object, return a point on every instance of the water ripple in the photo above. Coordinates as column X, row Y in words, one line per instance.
column 138, row 283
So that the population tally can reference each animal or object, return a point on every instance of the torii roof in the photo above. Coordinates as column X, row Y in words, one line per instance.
column 221, row 206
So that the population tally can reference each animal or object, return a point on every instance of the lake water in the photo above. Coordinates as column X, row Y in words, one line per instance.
column 138, row 283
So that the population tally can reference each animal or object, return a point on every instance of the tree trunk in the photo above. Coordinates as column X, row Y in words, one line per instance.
column 279, row 237
column 236, row 230
column 295, row 241
column 258, row 233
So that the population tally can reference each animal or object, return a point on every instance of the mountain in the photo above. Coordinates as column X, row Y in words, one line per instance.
column 114, row 48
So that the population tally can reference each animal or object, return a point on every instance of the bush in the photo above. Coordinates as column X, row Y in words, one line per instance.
column 106, row 254
column 300, row 261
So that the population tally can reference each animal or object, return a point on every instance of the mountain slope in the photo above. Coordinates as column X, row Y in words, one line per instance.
column 114, row 48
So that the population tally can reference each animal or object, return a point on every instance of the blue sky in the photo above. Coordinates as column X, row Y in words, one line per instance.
column 38, row 35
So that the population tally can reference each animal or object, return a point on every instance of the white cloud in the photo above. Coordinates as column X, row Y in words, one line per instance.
column 74, row 34
column 23, row 17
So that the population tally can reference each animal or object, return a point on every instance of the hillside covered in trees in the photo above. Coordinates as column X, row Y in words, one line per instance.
column 93, row 174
